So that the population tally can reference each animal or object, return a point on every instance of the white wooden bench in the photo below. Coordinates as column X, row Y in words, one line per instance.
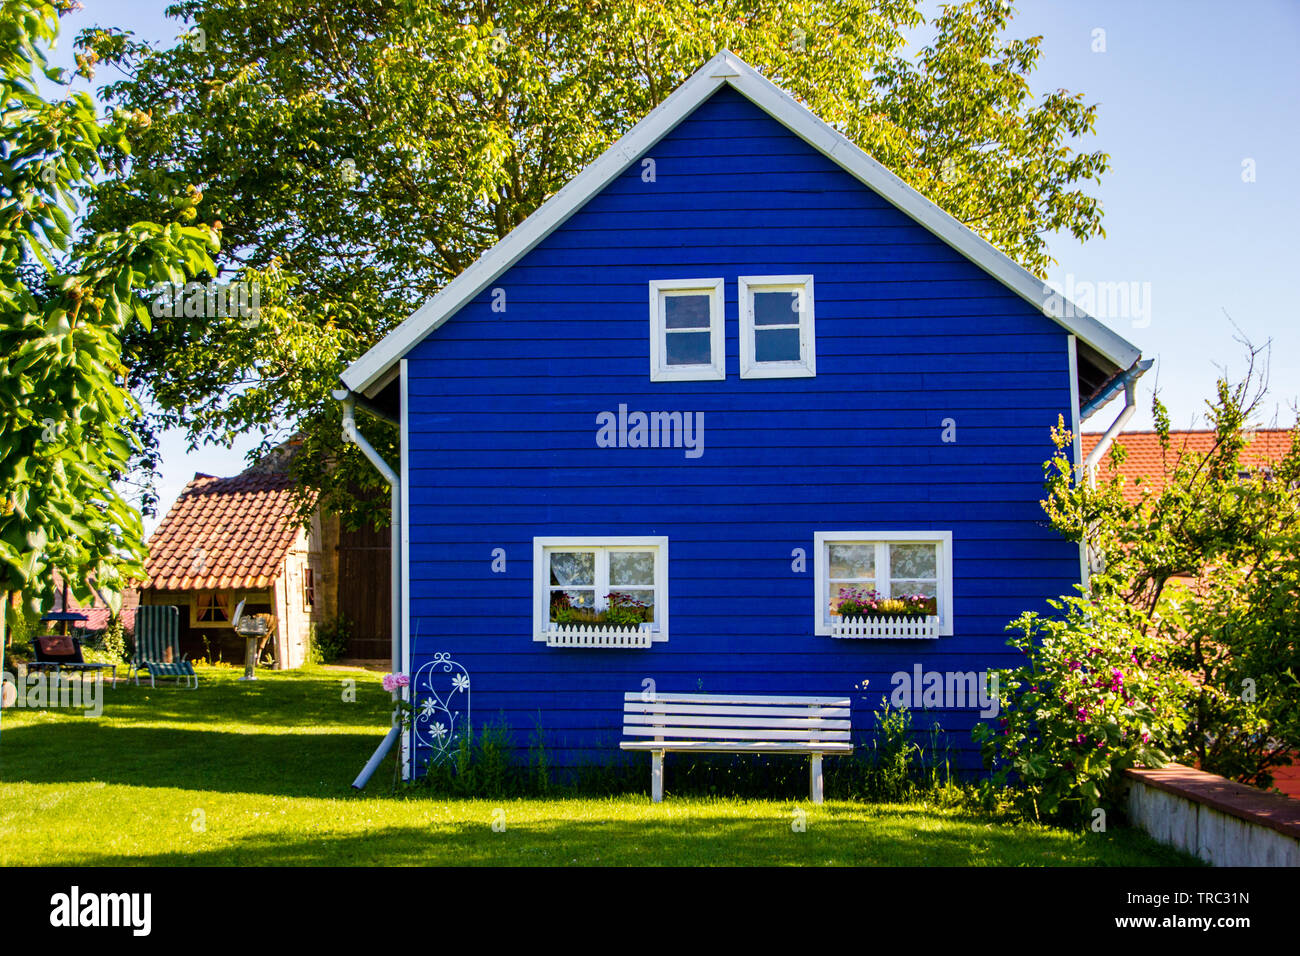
column 723, row 723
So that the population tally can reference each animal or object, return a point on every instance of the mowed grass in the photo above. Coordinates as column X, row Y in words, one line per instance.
column 259, row 774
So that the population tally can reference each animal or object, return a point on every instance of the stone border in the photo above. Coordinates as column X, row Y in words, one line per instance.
column 1222, row 822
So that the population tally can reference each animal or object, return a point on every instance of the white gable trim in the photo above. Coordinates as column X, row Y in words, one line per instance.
column 368, row 372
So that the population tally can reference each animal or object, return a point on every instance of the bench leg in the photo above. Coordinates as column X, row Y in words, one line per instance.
column 815, row 779
column 657, row 776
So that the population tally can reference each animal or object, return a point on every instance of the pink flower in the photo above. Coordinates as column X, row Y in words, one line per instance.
column 394, row 681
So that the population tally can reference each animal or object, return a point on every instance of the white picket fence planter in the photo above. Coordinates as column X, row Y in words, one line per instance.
column 885, row 627
column 594, row 635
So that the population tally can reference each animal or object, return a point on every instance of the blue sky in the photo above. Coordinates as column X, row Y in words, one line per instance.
column 1196, row 98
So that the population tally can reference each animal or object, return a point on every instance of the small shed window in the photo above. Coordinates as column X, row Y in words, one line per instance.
column 212, row 608
column 777, row 338
column 600, row 582
column 308, row 588
column 890, row 564
column 686, row 331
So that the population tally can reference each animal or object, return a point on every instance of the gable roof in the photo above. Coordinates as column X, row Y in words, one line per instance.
column 1146, row 462
column 372, row 371
column 224, row 533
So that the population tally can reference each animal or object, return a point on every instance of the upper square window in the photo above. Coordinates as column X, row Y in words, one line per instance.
column 686, row 332
column 777, row 338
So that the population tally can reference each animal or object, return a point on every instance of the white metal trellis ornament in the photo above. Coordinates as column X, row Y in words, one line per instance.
column 440, row 695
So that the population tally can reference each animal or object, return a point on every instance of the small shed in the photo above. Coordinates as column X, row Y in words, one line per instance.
column 227, row 540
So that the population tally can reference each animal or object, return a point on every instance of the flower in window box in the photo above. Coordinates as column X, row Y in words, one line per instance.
column 867, row 603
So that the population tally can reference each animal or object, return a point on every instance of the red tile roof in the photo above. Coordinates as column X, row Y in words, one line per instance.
column 224, row 533
column 97, row 619
column 1146, row 460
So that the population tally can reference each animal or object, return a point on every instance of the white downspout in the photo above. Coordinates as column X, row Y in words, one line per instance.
column 1130, row 407
column 352, row 434
column 1094, row 456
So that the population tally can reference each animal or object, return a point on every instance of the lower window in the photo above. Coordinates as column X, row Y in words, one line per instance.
column 903, row 573
column 603, row 586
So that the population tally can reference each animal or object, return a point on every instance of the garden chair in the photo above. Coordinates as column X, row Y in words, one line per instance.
column 60, row 652
column 158, row 646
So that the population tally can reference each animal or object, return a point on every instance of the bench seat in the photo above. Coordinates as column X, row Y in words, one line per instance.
column 723, row 723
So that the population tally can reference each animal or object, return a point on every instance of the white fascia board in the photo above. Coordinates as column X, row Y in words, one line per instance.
column 826, row 139
column 364, row 374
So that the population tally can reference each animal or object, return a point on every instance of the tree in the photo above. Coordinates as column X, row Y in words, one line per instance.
column 359, row 156
column 1208, row 564
column 64, row 407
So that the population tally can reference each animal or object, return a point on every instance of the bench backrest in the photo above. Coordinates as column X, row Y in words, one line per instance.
column 746, row 718
column 157, row 634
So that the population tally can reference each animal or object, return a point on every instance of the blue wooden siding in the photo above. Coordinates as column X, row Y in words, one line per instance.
column 502, row 425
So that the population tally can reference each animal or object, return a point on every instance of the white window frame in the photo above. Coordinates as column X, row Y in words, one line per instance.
column 716, row 369
column 806, row 366
column 600, row 544
column 943, row 565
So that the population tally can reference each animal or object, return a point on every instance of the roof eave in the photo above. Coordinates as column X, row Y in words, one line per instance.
column 368, row 373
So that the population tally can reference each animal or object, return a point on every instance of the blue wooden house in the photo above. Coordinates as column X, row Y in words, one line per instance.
column 734, row 372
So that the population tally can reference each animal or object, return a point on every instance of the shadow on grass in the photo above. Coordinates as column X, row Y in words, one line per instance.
column 280, row 699
column 850, row 837
column 276, row 764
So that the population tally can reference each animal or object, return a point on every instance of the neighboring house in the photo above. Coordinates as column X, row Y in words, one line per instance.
column 1147, row 467
column 227, row 540
column 732, row 368
column 97, row 611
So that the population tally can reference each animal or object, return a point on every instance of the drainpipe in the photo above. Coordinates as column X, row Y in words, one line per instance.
column 1128, row 381
column 352, row 434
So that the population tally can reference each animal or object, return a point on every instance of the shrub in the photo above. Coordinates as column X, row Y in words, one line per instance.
column 329, row 640
column 1095, row 696
column 112, row 641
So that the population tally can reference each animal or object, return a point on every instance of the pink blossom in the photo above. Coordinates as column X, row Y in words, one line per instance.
column 394, row 681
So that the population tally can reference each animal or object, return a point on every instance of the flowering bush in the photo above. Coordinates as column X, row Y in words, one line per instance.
column 865, row 602
column 1095, row 696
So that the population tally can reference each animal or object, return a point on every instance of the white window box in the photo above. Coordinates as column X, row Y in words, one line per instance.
column 590, row 635
column 885, row 627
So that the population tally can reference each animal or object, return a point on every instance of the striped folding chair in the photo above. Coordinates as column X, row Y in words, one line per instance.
column 158, row 646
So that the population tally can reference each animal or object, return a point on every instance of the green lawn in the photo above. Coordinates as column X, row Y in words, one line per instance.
column 258, row 774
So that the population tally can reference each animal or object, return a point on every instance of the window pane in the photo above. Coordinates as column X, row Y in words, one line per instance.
column 686, row 311
column 573, row 567
column 776, row 345
column 899, row 587
column 644, row 595
column 576, row 597
column 841, row 591
column 688, row 348
column 631, row 567
column 777, row 308
column 912, row 561
column 853, row 561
